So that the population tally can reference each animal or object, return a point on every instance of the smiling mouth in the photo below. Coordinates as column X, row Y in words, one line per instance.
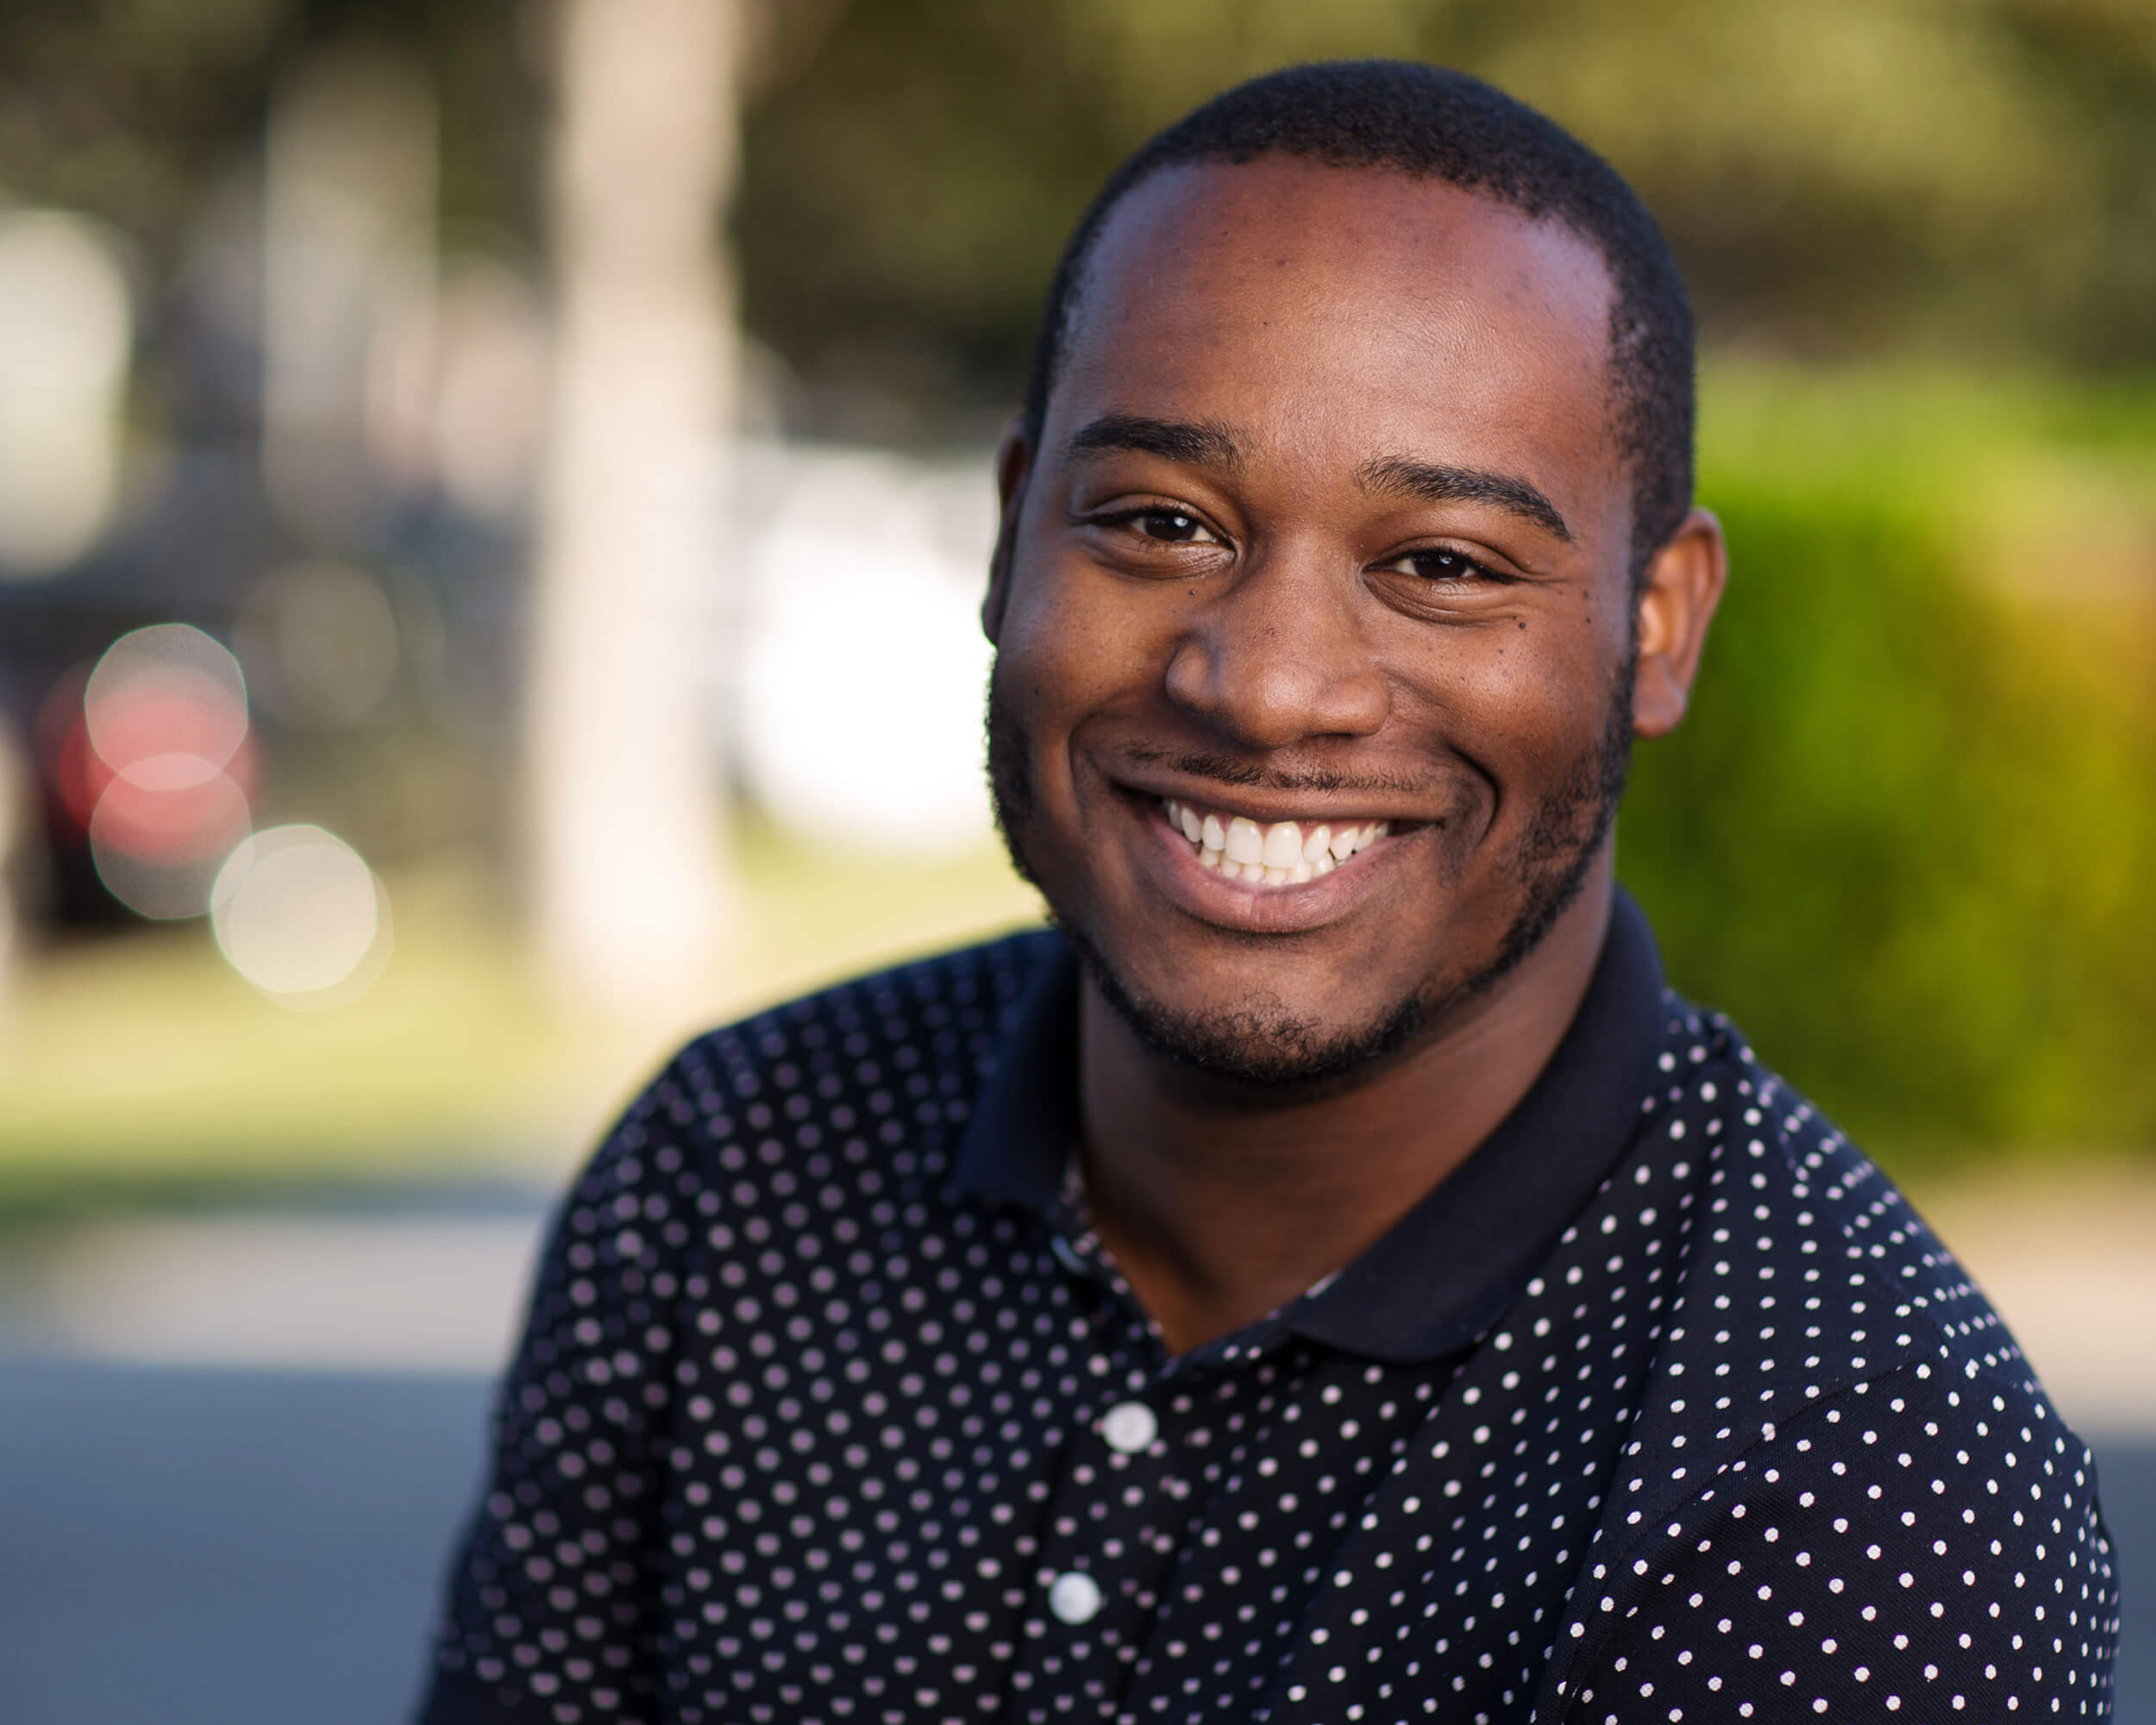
column 1286, row 853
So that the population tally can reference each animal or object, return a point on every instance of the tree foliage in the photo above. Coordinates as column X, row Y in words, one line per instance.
column 1905, row 835
column 1853, row 176
column 142, row 111
column 1850, row 178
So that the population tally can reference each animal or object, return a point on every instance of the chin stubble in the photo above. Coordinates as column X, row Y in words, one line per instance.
column 1261, row 1045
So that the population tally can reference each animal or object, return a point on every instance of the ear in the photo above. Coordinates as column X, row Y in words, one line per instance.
column 1014, row 462
column 1684, row 585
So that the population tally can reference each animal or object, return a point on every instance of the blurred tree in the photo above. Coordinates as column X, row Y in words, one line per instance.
column 622, row 803
column 152, row 113
column 1904, row 835
column 1852, row 177
column 135, row 110
column 1848, row 178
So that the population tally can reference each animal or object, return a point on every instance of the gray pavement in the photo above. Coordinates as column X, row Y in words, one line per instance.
column 215, row 1547
column 209, row 1547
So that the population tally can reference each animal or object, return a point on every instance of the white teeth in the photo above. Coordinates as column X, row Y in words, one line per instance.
column 1283, row 853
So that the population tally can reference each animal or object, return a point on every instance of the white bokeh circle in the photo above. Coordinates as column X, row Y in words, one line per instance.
column 298, row 914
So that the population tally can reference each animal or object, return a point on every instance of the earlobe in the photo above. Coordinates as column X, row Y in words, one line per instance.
column 1014, row 462
column 1684, row 585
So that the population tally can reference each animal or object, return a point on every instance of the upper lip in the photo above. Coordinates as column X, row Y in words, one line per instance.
column 1265, row 807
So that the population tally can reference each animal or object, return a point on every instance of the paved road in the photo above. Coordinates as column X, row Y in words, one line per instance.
column 183, row 1547
column 211, row 1547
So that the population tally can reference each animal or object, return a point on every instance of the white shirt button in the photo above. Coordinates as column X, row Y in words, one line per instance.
column 1074, row 1596
column 1130, row 1426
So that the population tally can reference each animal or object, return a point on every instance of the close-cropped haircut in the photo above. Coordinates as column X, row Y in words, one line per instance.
column 1427, row 121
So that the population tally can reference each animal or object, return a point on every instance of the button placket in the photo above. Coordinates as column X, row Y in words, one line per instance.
column 1102, row 1559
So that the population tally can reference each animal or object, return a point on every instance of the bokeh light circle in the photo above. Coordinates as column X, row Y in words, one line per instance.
column 194, row 819
column 298, row 914
column 166, row 691
column 159, row 854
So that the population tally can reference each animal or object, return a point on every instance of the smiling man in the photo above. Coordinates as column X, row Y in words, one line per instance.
column 1331, row 1277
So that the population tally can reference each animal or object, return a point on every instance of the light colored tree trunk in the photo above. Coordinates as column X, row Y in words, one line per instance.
column 628, row 882
column 348, row 225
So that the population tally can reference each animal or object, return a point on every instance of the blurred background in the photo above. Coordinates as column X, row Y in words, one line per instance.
column 493, row 502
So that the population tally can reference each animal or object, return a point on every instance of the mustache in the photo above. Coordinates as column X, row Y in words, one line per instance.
column 1225, row 769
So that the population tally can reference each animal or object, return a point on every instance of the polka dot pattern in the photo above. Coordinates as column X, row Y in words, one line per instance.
column 800, row 1431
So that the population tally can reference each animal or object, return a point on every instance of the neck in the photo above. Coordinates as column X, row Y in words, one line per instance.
column 1219, row 1207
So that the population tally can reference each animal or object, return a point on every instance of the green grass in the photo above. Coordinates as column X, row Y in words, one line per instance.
column 143, row 1063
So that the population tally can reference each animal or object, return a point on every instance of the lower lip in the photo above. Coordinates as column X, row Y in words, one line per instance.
column 1171, row 865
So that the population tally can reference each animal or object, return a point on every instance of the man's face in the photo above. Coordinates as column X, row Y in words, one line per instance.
column 1326, row 525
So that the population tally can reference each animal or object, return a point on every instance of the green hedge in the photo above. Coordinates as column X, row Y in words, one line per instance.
column 1907, row 835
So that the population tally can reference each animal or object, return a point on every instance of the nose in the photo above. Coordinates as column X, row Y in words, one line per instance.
column 1277, row 659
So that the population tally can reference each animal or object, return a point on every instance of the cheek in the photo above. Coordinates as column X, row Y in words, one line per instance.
column 1538, row 692
column 1452, row 702
column 1515, row 711
column 1071, row 645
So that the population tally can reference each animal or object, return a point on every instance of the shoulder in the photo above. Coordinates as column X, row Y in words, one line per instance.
column 1796, row 1238
column 942, row 1014
column 1795, row 1272
column 1921, row 1542
column 1896, row 1290
column 878, row 1065
column 1844, row 1479
column 1914, row 1546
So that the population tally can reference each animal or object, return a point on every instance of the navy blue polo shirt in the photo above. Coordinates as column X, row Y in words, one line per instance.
column 1663, row 1406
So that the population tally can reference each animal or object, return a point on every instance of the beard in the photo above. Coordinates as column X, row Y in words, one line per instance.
column 1262, row 1044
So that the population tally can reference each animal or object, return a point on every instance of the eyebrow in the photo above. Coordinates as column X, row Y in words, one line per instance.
column 1401, row 477
column 1197, row 442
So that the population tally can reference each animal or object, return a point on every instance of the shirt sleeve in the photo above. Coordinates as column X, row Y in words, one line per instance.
column 1919, row 1549
column 553, row 1608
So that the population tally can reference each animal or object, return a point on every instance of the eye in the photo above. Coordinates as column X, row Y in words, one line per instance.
column 1441, row 565
column 1168, row 526
column 1157, row 523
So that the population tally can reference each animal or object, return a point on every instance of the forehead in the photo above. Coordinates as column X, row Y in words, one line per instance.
column 1280, row 292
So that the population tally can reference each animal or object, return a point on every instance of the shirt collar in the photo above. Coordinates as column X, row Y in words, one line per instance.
column 1451, row 1267
column 1026, row 1121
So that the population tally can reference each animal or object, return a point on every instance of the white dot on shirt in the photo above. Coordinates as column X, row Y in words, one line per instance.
column 1074, row 1597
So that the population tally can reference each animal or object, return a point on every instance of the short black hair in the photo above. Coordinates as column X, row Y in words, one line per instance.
column 1429, row 121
